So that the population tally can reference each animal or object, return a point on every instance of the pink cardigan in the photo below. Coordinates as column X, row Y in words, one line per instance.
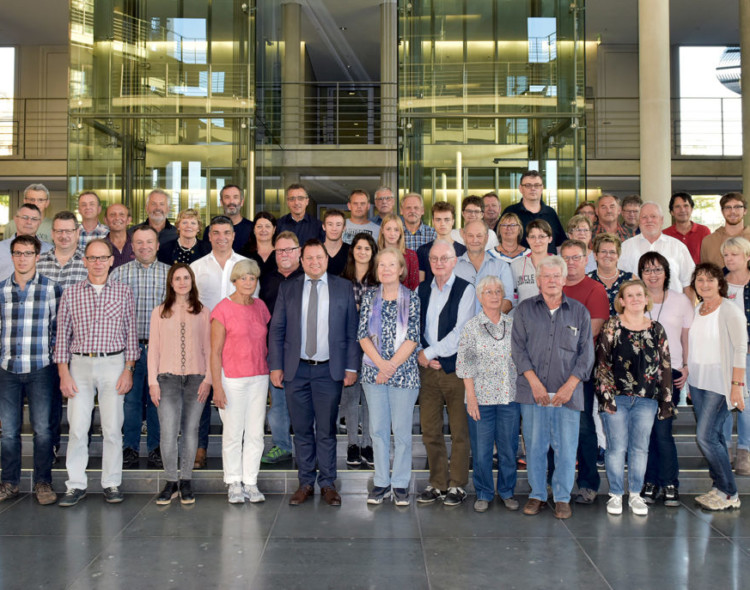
column 164, row 346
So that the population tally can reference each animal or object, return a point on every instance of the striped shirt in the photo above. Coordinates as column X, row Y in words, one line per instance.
column 149, row 285
column 28, row 320
column 91, row 322
column 100, row 231
column 73, row 272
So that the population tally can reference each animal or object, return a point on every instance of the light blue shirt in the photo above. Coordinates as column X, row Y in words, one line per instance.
column 490, row 266
column 448, row 346
column 6, row 260
column 321, row 353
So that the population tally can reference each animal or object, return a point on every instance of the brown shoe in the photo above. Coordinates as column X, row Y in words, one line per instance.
column 534, row 506
column 742, row 462
column 302, row 494
column 44, row 493
column 562, row 510
column 200, row 459
column 331, row 496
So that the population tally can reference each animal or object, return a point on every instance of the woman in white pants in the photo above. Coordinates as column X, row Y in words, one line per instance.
column 239, row 325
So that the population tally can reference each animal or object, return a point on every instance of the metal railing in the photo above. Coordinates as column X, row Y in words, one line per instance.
column 34, row 128
column 700, row 127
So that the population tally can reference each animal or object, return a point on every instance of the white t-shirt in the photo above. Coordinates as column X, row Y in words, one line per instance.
column 704, row 359
column 352, row 229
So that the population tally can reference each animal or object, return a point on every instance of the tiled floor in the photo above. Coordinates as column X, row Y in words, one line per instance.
column 138, row 545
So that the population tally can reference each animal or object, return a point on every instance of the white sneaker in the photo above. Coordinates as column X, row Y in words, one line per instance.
column 253, row 494
column 614, row 504
column 235, row 493
column 637, row 505
column 720, row 501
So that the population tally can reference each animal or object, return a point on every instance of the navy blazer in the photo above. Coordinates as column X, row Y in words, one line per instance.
column 284, row 336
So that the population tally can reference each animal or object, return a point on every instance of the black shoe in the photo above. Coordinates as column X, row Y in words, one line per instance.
column 353, row 457
column 113, row 495
column 169, row 493
column 429, row 495
column 671, row 496
column 72, row 497
column 186, row 492
column 454, row 496
column 649, row 493
column 130, row 458
column 368, row 456
column 154, row 459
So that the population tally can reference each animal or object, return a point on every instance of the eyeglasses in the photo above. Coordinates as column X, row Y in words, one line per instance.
column 27, row 254
column 441, row 260
column 583, row 230
column 576, row 258
column 28, row 218
column 34, row 201
column 538, row 237
column 64, row 232
column 98, row 258
column 508, row 225
column 384, row 198
column 286, row 251
column 535, row 186
column 472, row 211
column 733, row 207
column 607, row 252
column 657, row 270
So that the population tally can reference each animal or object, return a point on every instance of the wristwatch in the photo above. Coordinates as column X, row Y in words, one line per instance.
column 130, row 368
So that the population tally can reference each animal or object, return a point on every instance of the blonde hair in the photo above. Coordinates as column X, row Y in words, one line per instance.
column 401, row 240
column 399, row 258
column 188, row 214
column 244, row 267
column 619, row 308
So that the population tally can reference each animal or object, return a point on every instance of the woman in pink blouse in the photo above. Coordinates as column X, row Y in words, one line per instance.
column 239, row 325
column 179, row 376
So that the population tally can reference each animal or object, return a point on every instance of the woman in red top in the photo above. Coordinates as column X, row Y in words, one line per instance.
column 392, row 236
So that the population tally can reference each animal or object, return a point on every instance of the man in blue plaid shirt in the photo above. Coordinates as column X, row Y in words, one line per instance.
column 28, row 315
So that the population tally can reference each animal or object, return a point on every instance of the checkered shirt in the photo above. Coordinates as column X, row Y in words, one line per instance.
column 100, row 231
column 422, row 236
column 149, row 286
column 73, row 272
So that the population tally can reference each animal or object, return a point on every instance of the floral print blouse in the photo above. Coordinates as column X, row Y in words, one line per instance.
column 633, row 362
column 407, row 375
column 484, row 355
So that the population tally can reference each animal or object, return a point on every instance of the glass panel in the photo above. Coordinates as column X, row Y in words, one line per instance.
column 8, row 132
column 160, row 96
column 495, row 88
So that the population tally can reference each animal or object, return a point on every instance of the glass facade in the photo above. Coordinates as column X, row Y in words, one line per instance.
column 161, row 95
column 488, row 90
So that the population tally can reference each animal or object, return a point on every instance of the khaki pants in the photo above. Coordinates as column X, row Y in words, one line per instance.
column 441, row 389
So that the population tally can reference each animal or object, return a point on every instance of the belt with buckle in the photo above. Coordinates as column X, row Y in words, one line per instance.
column 98, row 354
column 311, row 362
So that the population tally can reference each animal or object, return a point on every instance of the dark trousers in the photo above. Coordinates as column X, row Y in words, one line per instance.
column 663, row 467
column 37, row 387
column 313, row 399
column 588, row 444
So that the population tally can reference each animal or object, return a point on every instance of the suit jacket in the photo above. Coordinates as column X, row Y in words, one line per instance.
column 284, row 336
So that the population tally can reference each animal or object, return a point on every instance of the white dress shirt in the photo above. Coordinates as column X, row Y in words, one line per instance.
column 213, row 281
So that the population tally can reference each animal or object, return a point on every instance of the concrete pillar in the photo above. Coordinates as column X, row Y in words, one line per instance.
column 389, row 87
column 654, row 103
column 292, row 74
column 745, row 75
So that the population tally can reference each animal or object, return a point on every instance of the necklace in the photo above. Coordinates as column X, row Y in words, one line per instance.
column 706, row 309
column 493, row 336
column 658, row 315
column 609, row 278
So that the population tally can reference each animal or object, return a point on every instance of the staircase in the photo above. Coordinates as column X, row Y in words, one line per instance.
column 282, row 477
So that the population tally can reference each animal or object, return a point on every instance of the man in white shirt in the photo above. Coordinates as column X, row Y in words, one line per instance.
column 651, row 239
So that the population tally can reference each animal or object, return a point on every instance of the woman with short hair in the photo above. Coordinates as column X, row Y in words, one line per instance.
column 510, row 234
column 187, row 248
column 239, row 326
column 606, row 251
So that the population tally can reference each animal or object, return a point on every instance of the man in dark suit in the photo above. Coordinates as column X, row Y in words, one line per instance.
column 313, row 351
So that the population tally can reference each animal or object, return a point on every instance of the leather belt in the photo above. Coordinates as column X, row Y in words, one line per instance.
column 98, row 354
column 311, row 362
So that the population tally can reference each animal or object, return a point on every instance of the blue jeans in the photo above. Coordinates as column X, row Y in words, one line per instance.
column 498, row 425
column 390, row 408
column 135, row 400
column 663, row 467
column 278, row 420
column 546, row 427
column 628, row 431
column 711, row 413
column 37, row 387
column 743, row 421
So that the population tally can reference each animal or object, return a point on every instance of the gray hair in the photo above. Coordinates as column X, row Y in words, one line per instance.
column 441, row 242
column 738, row 244
column 382, row 189
column 410, row 195
column 655, row 204
column 244, row 267
column 36, row 187
column 553, row 262
column 489, row 281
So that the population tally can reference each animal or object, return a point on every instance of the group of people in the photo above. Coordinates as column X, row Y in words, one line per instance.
column 510, row 324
